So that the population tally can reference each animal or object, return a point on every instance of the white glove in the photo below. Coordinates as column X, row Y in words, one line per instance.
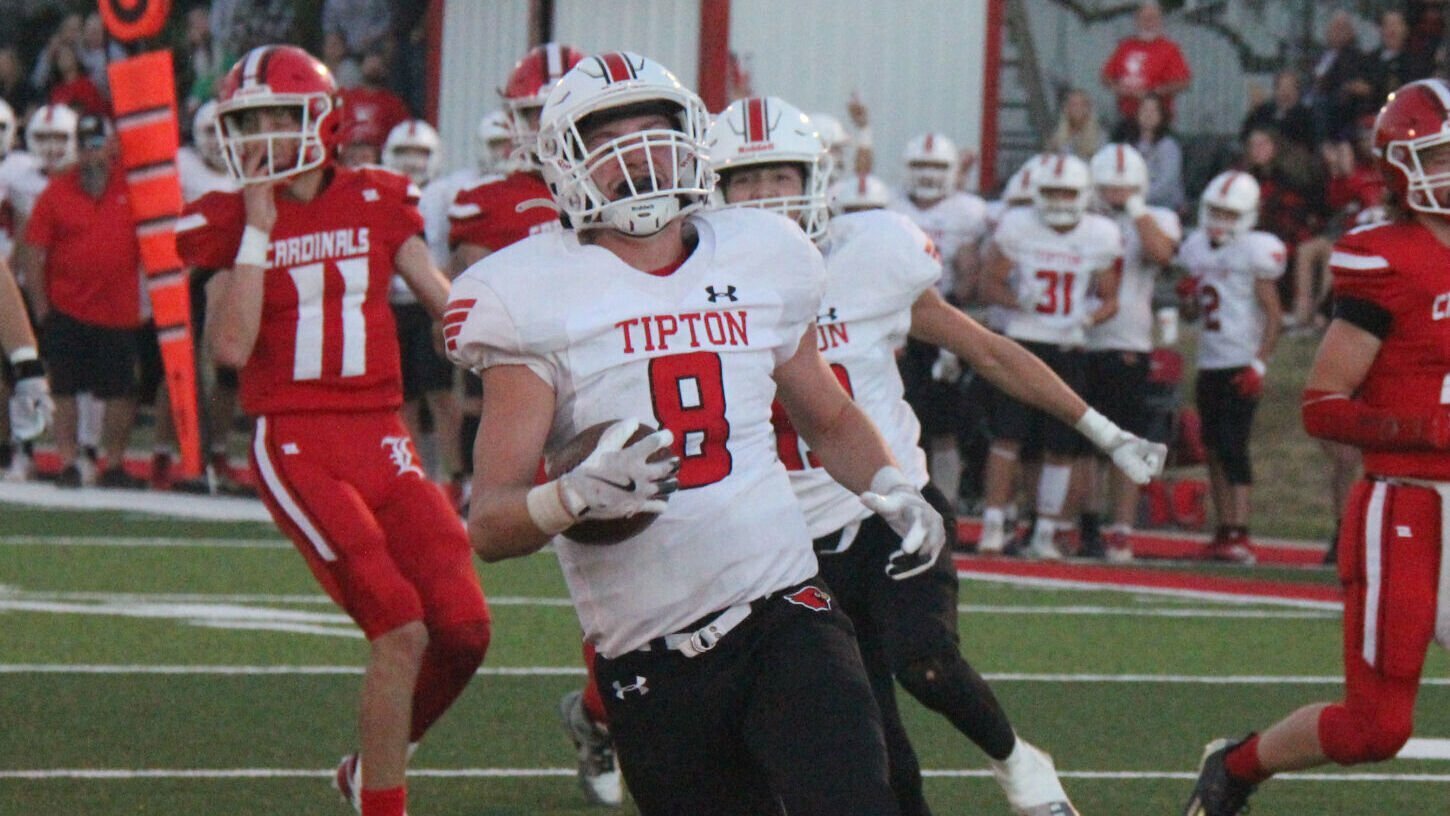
column 30, row 406
column 1136, row 206
column 920, row 526
column 1135, row 456
column 947, row 368
column 617, row 481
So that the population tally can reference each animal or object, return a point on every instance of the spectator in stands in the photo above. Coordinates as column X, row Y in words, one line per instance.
column 68, row 83
column 1292, row 199
column 1146, row 63
column 1078, row 131
column 365, row 26
column 1339, row 81
column 1285, row 112
column 1149, row 132
column 81, row 265
column 372, row 108
column 68, row 33
column 13, row 87
column 410, row 53
column 241, row 25
column 344, row 66
column 1392, row 64
column 95, row 51
column 199, row 61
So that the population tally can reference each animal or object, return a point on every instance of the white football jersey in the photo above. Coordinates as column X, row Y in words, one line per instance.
column 954, row 222
column 433, row 205
column 198, row 178
column 1131, row 329
column 877, row 264
column 1054, row 270
column 694, row 351
column 22, row 181
column 1233, row 320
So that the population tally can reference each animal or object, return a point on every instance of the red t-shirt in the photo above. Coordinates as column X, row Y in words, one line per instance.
column 1146, row 65
column 1402, row 269
column 500, row 212
column 92, row 260
column 327, row 341
column 372, row 111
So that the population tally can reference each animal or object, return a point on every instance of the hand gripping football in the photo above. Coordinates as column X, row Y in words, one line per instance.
column 570, row 455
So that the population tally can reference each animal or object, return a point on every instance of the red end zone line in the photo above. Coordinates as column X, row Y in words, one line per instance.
column 1113, row 577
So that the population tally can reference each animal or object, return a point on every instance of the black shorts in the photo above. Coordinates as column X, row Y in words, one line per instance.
column 1013, row 421
column 424, row 369
column 942, row 407
column 80, row 357
column 1227, row 417
column 1116, row 384
column 778, row 713
column 151, row 370
column 905, row 620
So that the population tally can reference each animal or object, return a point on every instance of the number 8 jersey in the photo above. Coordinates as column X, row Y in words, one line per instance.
column 327, row 340
column 693, row 351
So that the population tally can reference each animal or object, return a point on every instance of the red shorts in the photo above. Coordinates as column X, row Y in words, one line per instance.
column 1392, row 545
column 382, row 539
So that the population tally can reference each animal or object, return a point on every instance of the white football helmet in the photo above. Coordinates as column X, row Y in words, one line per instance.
column 204, row 136
column 7, row 127
column 493, row 142
column 666, row 170
column 1018, row 190
column 931, row 167
column 1058, row 173
column 1237, row 192
column 51, row 136
column 405, row 142
column 838, row 140
column 769, row 130
column 1120, row 165
column 862, row 191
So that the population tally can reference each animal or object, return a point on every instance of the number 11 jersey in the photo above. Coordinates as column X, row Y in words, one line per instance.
column 327, row 340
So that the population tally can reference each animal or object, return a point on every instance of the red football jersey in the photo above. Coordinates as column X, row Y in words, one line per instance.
column 327, row 340
column 1402, row 269
column 503, row 211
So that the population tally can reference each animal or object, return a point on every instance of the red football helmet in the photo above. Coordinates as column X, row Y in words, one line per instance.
column 277, row 77
column 528, row 86
column 1414, row 119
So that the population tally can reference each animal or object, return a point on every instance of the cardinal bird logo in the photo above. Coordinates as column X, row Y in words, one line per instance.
column 812, row 598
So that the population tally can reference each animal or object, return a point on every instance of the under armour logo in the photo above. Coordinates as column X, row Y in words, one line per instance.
column 728, row 293
column 828, row 317
column 638, row 685
column 370, row 195
column 401, row 452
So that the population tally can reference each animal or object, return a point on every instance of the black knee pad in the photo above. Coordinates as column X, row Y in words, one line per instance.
column 948, row 685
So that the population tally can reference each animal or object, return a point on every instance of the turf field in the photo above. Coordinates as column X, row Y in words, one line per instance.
column 160, row 666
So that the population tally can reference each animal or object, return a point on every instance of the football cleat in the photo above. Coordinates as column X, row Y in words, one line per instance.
column 1118, row 547
column 598, row 773
column 1043, row 542
column 22, row 468
column 1217, row 792
column 1029, row 780
column 1234, row 549
column 347, row 781
column 993, row 540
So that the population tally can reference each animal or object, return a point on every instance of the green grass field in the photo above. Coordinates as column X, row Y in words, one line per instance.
column 157, row 666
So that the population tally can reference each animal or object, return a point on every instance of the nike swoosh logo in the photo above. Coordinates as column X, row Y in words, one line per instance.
column 627, row 487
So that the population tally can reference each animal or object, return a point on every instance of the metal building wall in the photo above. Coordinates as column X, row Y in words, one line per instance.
column 481, row 43
column 918, row 65
column 667, row 31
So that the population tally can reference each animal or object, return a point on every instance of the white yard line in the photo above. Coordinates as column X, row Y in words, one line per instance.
column 121, row 774
column 47, row 496
column 1137, row 589
column 143, row 541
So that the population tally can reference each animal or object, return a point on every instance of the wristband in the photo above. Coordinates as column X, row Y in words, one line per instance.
column 1259, row 367
column 253, row 249
column 1100, row 430
column 888, row 479
column 23, row 354
column 28, row 369
column 547, row 509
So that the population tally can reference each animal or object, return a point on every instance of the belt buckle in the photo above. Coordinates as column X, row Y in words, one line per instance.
column 698, row 638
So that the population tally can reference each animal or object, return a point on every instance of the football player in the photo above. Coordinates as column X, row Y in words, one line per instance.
column 1378, row 383
column 29, row 406
column 880, row 276
column 712, row 620
column 1118, row 348
column 307, row 250
column 1232, row 286
column 1055, row 265
column 955, row 222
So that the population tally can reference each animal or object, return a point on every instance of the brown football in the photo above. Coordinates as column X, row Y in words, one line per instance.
column 576, row 450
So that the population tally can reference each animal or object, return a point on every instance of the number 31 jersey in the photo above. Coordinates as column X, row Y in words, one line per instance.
column 1054, row 272
column 693, row 351
column 327, row 340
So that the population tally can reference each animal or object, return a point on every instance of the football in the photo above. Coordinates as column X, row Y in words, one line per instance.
column 575, row 451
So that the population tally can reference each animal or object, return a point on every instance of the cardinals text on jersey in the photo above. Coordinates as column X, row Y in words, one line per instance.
column 674, row 350
column 1233, row 320
column 1131, row 329
column 1056, row 269
column 327, row 341
column 877, row 264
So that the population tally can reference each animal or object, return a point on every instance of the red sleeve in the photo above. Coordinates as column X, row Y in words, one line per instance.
column 402, row 220
column 210, row 231
column 1175, row 67
column 1363, row 269
column 40, row 229
column 468, row 222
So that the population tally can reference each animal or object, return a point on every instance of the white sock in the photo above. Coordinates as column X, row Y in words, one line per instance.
column 993, row 518
column 1052, row 489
